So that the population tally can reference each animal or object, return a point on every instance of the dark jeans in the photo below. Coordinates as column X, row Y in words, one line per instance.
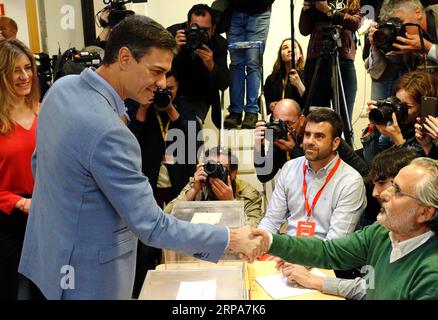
column 322, row 94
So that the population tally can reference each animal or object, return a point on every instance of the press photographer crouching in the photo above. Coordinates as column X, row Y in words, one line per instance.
column 201, row 62
column 286, row 131
column 215, row 179
column 392, row 120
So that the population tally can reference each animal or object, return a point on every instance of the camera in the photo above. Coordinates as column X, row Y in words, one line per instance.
column 279, row 128
column 74, row 61
column 385, row 107
column 216, row 170
column 195, row 37
column 387, row 32
column 162, row 99
column 118, row 11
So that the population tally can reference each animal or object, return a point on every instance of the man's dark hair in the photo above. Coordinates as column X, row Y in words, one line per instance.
column 217, row 151
column 138, row 34
column 327, row 115
column 172, row 73
column 201, row 10
column 389, row 162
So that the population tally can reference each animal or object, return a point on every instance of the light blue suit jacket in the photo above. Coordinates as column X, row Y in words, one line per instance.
column 91, row 200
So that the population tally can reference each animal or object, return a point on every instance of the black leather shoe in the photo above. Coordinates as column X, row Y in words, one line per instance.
column 233, row 120
column 250, row 120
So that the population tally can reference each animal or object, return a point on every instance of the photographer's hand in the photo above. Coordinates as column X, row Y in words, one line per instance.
column 423, row 138
column 286, row 145
column 180, row 39
column 259, row 135
column 322, row 6
column 206, row 55
column 199, row 178
column 392, row 131
column 142, row 111
column 371, row 30
column 221, row 190
column 412, row 43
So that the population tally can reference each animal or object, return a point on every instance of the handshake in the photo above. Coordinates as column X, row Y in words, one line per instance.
column 249, row 242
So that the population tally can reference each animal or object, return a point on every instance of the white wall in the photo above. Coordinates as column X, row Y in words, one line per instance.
column 16, row 9
column 58, row 23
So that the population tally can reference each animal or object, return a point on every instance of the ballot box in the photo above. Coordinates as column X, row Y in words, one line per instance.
column 222, row 213
column 215, row 283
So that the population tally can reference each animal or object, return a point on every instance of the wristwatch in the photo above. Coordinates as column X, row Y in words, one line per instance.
column 330, row 13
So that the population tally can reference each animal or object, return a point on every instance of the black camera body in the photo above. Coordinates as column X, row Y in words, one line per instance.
column 279, row 128
column 216, row 170
column 387, row 32
column 385, row 107
column 162, row 99
column 118, row 11
column 74, row 61
column 195, row 37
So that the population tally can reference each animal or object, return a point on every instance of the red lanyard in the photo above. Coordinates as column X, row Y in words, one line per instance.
column 315, row 200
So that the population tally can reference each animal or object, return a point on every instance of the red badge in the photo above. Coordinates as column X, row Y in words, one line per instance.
column 306, row 229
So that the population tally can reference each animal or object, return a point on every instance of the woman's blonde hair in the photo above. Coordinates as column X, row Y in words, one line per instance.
column 279, row 68
column 10, row 51
column 352, row 6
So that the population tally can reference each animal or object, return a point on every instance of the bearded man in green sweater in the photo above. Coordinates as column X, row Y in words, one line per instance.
column 400, row 250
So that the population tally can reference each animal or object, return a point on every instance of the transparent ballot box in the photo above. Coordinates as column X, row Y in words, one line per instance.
column 223, row 213
column 194, row 284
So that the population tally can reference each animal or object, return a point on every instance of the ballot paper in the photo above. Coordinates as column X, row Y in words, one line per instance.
column 197, row 290
column 277, row 287
column 206, row 217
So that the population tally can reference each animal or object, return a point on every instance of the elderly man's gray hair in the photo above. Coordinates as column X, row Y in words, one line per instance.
column 389, row 7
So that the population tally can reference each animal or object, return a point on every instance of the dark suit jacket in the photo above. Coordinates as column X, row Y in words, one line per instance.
column 152, row 145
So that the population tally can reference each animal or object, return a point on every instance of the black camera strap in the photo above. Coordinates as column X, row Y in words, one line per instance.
column 431, row 27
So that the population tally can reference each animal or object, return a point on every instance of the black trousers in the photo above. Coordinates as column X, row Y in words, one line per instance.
column 12, row 228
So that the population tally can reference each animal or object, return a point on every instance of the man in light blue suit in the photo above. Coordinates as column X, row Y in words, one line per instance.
column 91, row 201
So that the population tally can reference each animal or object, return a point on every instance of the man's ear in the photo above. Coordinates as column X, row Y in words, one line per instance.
column 336, row 142
column 124, row 57
column 428, row 213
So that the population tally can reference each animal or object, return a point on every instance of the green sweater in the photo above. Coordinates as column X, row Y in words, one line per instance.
column 413, row 277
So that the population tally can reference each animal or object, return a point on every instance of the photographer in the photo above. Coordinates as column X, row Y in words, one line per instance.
column 427, row 136
column 216, row 180
column 385, row 67
column 282, row 150
column 315, row 18
column 201, row 62
column 413, row 12
column 398, row 128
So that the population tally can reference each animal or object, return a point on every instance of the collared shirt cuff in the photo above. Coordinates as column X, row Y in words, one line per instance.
column 431, row 55
column 331, row 286
column 229, row 236
column 271, row 238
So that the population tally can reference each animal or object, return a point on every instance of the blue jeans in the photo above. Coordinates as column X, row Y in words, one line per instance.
column 245, row 63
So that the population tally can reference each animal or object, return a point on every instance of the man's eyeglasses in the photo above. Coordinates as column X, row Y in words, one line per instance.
column 395, row 191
